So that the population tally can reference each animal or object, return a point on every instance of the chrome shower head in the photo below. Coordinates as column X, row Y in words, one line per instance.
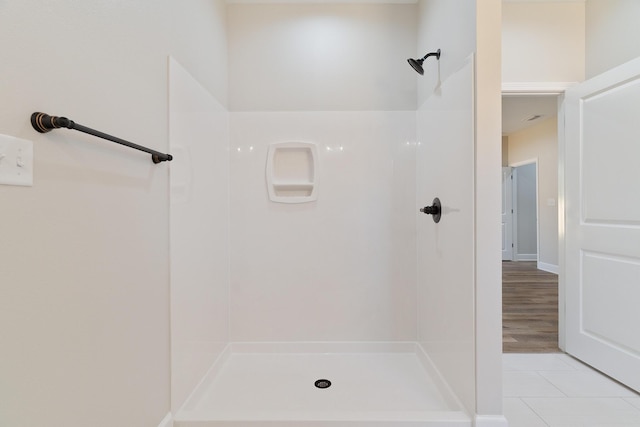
column 416, row 64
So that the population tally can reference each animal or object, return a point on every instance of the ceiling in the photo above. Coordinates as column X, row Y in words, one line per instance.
column 518, row 112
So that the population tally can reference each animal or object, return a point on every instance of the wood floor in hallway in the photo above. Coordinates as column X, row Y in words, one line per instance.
column 529, row 309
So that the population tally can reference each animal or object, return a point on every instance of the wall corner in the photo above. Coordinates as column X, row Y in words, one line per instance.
column 488, row 159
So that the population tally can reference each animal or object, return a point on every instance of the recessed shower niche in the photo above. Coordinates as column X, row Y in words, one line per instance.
column 292, row 172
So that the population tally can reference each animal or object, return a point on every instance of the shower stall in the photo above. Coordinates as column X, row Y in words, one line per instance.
column 307, row 286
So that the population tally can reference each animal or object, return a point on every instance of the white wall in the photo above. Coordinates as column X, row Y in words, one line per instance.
column 541, row 142
column 199, row 43
column 344, row 266
column 199, row 140
column 84, row 312
column 338, row 269
column 449, row 26
column 612, row 34
column 488, row 238
column 446, row 272
column 315, row 57
column 543, row 41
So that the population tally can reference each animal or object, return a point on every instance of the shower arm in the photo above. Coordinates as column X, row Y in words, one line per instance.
column 44, row 123
column 436, row 54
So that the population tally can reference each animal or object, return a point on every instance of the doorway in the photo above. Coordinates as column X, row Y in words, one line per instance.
column 520, row 212
column 530, row 281
column 525, row 211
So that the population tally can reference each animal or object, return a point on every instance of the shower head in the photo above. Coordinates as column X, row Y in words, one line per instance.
column 416, row 64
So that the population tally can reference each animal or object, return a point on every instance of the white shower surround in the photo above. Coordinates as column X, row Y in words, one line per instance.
column 199, row 231
column 344, row 268
column 446, row 271
column 296, row 244
column 373, row 384
column 338, row 269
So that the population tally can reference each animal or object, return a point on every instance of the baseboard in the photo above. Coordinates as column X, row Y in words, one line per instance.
column 526, row 257
column 167, row 421
column 551, row 268
column 491, row 421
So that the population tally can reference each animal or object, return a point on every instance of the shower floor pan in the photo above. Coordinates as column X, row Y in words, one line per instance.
column 274, row 385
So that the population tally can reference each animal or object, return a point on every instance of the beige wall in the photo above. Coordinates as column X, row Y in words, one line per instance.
column 612, row 34
column 505, row 151
column 541, row 142
column 84, row 294
column 543, row 41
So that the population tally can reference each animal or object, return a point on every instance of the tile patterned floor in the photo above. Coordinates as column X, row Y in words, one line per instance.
column 555, row 390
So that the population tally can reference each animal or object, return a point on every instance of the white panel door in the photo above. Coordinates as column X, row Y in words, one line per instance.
column 507, row 215
column 602, row 219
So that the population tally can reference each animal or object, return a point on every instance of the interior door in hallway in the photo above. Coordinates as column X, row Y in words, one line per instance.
column 602, row 222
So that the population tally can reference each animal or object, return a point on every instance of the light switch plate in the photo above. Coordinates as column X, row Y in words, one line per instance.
column 16, row 161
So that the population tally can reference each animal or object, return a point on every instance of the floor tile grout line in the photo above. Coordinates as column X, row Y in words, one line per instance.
column 597, row 374
column 564, row 397
column 552, row 384
column 570, row 366
column 570, row 369
column 544, row 420
column 631, row 404
column 524, row 399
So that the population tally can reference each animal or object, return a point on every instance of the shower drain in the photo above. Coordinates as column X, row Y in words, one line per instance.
column 323, row 383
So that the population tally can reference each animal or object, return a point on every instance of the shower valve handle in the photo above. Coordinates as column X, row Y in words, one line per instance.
column 435, row 210
column 430, row 210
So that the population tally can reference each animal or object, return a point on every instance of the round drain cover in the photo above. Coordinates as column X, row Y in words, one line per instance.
column 323, row 383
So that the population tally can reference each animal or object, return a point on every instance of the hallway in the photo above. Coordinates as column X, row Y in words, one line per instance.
column 529, row 309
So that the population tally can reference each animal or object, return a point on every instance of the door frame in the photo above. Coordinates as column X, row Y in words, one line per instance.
column 562, row 296
column 552, row 88
column 507, row 203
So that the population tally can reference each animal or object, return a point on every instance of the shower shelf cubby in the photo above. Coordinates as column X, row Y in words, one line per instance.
column 292, row 172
